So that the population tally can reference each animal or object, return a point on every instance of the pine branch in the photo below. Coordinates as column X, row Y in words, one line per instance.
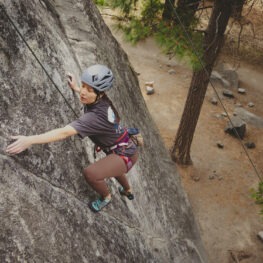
column 204, row 7
column 117, row 17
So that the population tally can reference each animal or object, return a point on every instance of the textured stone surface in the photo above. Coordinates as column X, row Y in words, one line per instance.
column 43, row 202
column 236, row 127
column 249, row 117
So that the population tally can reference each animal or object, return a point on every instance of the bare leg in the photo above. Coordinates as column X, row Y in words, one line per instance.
column 110, row 166
column 123, row 179
column 123, row 182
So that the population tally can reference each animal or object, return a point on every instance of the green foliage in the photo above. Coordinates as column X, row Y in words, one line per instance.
column 100, row 2
column 257, row 195
column 174, row 42
column 146, row 20
column 136, row 30
column 139, row 27
column 151, row 11
column 125, row 6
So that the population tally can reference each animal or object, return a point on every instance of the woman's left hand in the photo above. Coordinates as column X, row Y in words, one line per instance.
column 72, row 82
column 21, row 144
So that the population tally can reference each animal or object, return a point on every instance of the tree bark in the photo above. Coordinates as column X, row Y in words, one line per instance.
column 213, row 42
column 237, row 9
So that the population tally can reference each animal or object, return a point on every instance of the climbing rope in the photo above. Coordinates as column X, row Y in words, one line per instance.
column 195, row 52
column 39, row 62
column 188, row 38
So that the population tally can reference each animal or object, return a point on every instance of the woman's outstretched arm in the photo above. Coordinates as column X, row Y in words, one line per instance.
column 24, row 142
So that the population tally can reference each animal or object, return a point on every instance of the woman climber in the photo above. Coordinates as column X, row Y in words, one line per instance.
column 100, row 122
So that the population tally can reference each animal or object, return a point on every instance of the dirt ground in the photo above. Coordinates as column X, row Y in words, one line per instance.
column 228, row 218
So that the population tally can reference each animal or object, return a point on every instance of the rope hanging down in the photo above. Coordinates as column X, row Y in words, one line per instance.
column 188, row 38
column 39, row 62
column 194, row 50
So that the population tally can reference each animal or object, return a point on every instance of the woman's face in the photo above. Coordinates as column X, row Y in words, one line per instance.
column 87, row 94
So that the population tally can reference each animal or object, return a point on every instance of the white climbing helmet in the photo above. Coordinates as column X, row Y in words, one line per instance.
column 98, row 77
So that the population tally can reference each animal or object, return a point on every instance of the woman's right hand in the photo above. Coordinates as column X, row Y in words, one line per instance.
column 21, row 144
column 72, row 82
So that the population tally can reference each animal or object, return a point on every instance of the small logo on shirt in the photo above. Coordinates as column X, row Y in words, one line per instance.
column 111, row 115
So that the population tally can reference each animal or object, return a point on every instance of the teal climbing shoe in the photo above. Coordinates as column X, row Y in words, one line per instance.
column 98, row 204
column 129, row 195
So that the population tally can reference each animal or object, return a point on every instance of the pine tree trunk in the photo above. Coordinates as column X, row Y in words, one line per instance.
column 237, row 9
column 213, row 42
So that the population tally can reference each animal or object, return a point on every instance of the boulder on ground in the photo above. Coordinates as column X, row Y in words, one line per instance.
column 149, row 87
column 216, row 76
column 228, row 78
column 149, row 90
column 228, row 93
column 249, row 117
column 214, row 101
column 260, row 235
column 231, row 77
column 241, row 91
column 171, row 71
column 250, row 145
column 236, row 127
column 220, row 145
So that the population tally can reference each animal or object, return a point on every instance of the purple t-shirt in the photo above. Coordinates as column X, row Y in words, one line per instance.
column 99, row 123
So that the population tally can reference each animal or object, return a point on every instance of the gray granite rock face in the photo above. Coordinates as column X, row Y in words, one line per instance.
column 44, row 197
